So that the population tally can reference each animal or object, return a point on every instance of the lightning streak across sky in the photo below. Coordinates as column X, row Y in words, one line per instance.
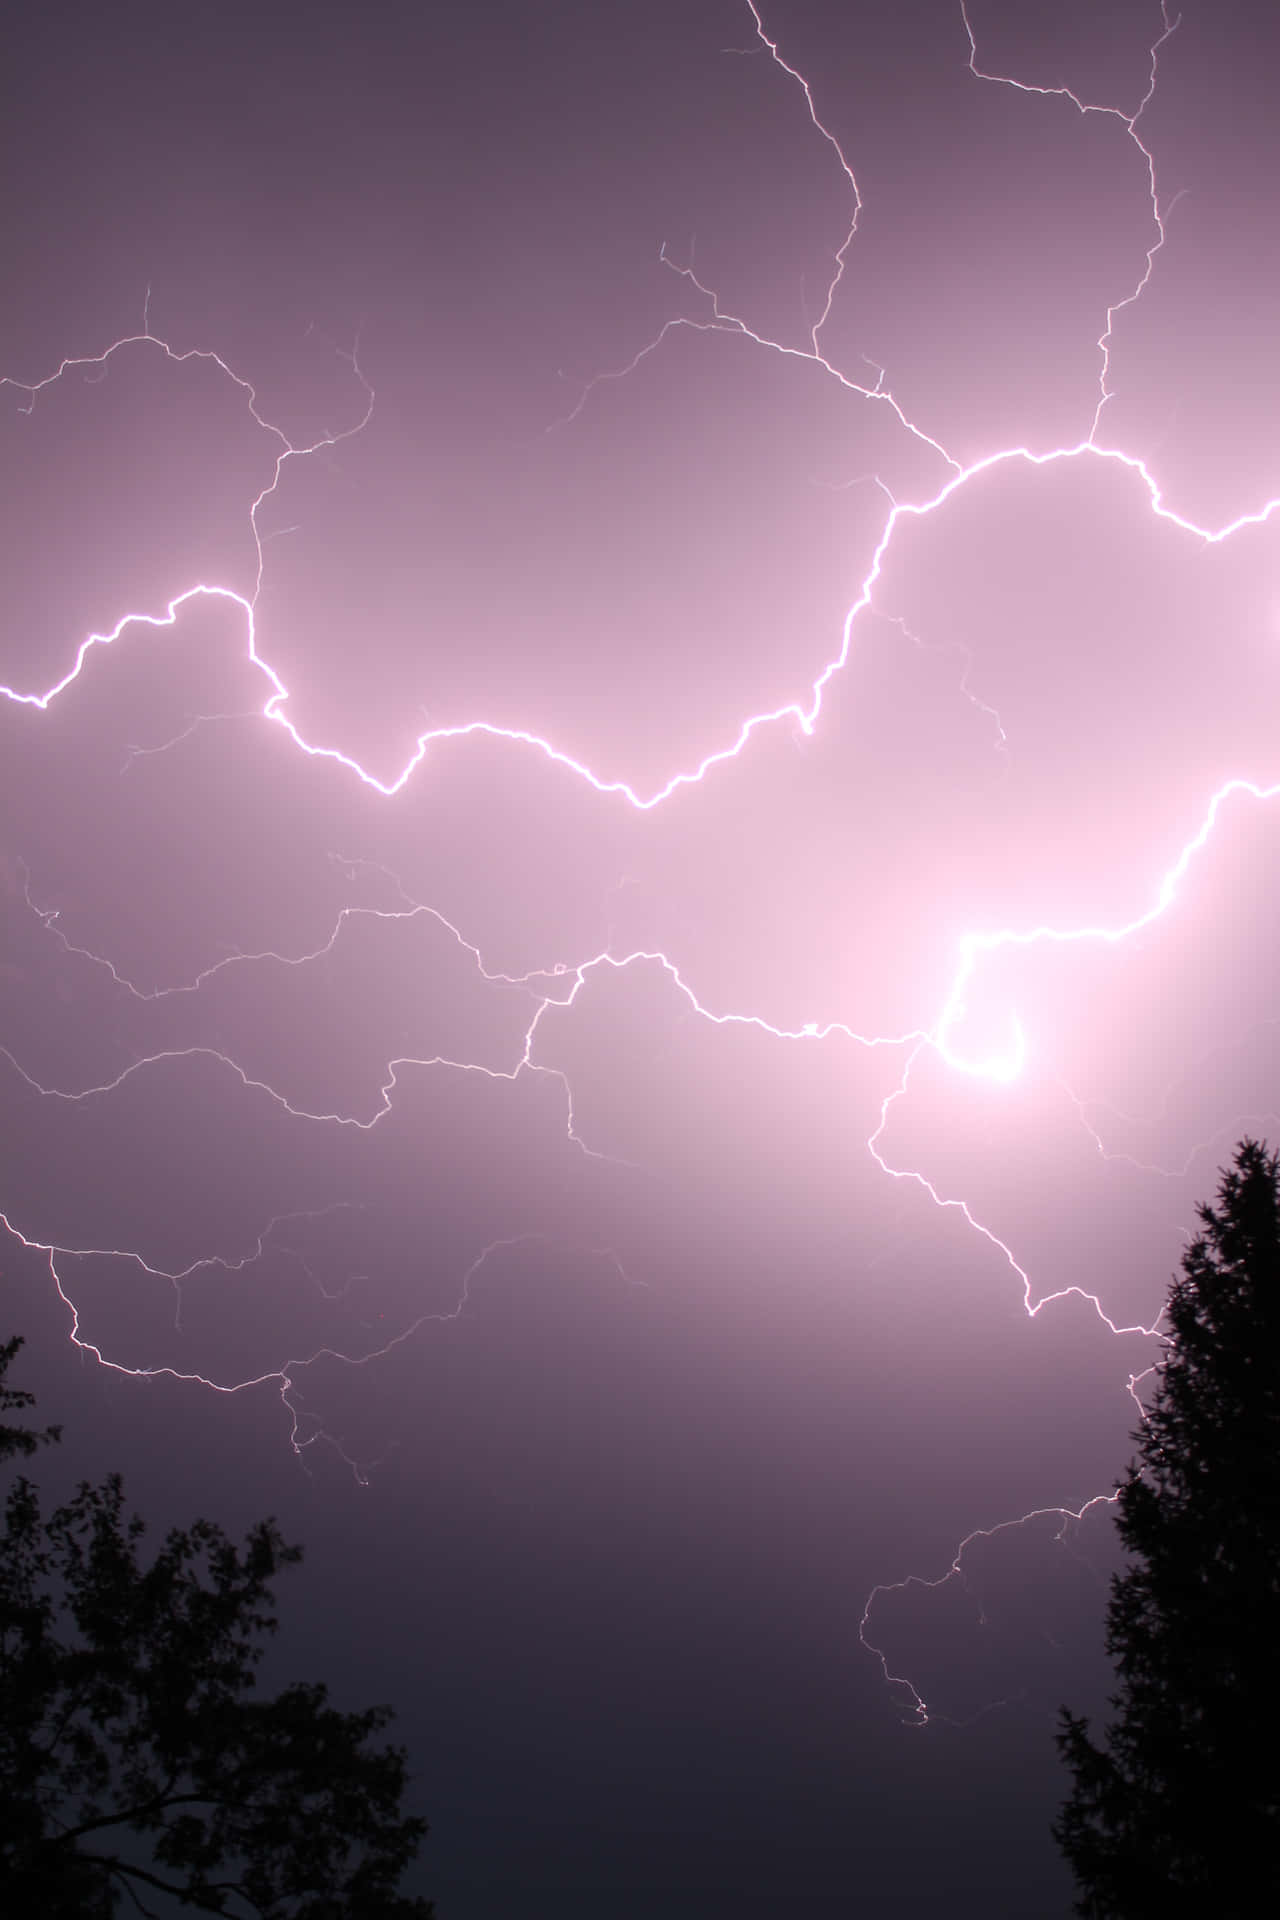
column 536, row 1005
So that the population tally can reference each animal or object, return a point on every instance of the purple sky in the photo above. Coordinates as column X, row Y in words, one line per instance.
column 650, row 864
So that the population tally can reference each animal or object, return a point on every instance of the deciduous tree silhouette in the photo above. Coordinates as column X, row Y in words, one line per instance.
column 1178, row 1811
column 132, row 1755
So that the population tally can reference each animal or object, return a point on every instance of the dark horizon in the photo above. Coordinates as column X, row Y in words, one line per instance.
column 627, row 958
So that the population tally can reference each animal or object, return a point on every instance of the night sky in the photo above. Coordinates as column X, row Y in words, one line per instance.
column 617, row 990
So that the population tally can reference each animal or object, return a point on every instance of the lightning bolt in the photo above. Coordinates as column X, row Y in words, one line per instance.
column 560, row 984
column 305, row 1429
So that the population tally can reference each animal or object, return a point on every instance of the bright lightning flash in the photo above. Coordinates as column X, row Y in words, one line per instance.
column 559, row 984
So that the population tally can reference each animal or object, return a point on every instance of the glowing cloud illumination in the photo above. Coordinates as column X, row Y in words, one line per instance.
column 560, row 983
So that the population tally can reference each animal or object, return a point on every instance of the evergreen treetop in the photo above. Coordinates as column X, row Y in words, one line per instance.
column 1178, row 1810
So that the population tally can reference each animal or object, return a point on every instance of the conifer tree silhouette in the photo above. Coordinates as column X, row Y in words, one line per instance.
column 1177, row 1812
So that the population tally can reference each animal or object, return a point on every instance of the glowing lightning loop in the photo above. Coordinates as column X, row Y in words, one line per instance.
column 1009, row 1065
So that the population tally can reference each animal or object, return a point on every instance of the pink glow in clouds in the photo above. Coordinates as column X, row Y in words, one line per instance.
column 771, row 655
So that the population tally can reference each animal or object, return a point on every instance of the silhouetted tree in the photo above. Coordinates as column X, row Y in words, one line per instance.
column 1178, row 1812
column 17, row 1400
column 132, row 1757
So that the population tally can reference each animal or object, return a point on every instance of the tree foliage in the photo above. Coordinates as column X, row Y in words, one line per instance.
column 1178, row 1811
column 17, row 1400
column 133, row 1756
